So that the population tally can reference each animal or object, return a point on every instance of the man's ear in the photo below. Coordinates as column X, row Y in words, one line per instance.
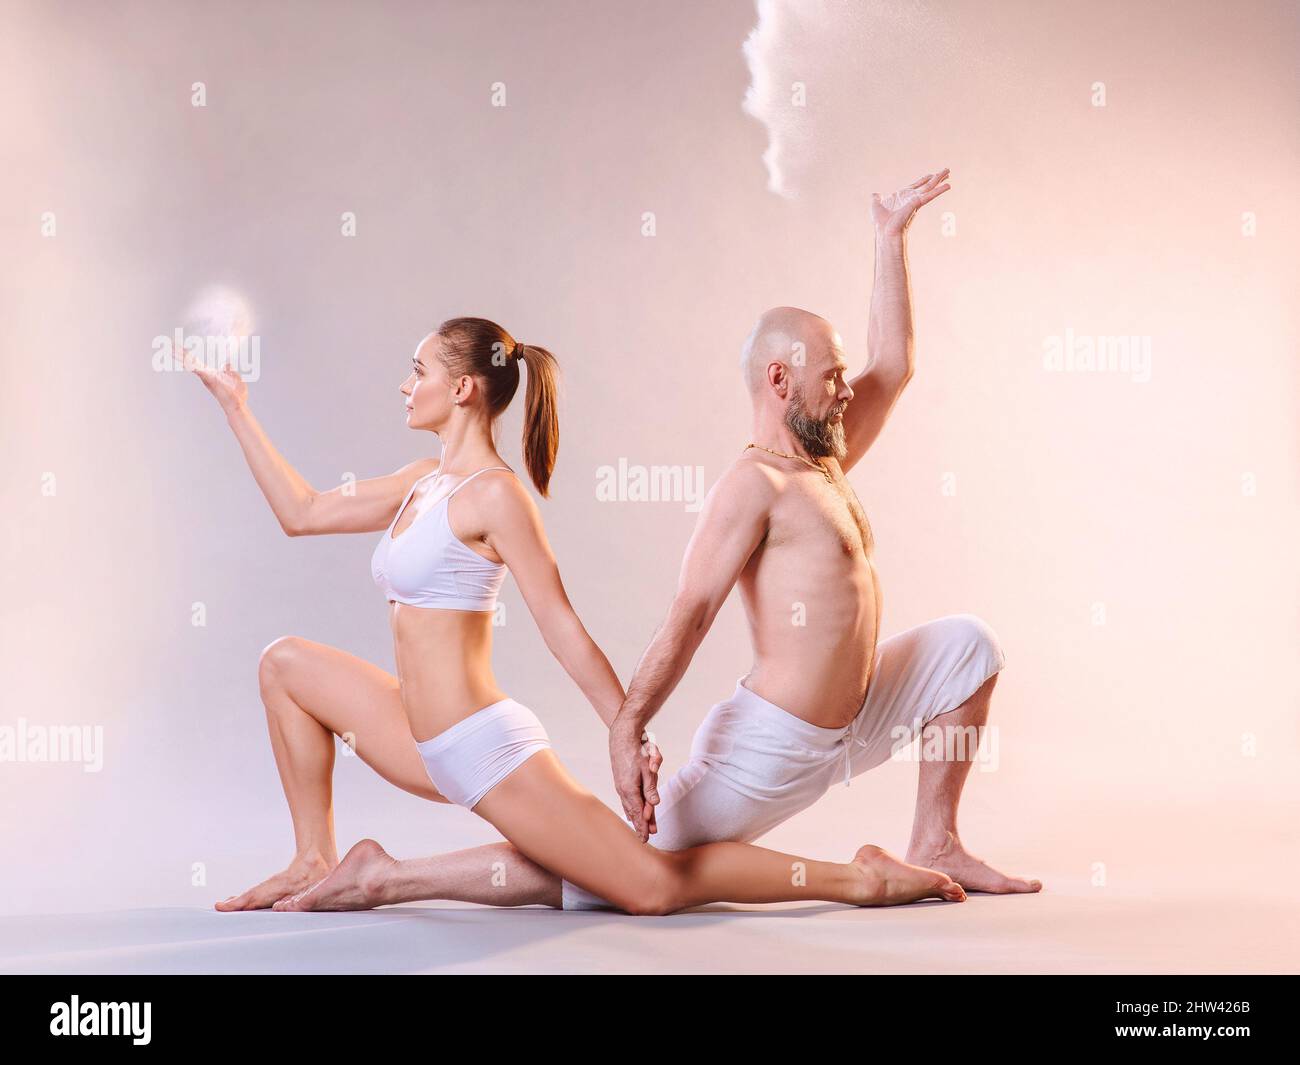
column 778, row 376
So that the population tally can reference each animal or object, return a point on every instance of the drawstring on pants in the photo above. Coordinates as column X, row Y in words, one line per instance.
column 849, row 740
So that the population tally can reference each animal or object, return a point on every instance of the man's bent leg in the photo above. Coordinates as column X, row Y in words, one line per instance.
column 949, row 744
column 935, row 680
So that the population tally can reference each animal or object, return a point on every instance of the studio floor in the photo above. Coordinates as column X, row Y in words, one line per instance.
column 1070, row 928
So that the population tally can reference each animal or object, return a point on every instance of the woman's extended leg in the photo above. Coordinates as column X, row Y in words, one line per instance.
column 313, row 692
column 561, row 826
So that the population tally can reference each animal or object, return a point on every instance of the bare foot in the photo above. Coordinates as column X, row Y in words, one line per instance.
column 302, row 873
column 355, row 883
column 952, row 858
column 890, row 881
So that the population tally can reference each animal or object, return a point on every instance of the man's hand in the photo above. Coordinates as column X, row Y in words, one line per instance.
column 892, row 214
column 635, row 761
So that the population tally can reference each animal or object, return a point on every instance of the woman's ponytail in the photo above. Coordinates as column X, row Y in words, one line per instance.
column 541, row 414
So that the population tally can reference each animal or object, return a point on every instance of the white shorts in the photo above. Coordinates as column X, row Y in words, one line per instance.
column 754, row 765
column 472, row 757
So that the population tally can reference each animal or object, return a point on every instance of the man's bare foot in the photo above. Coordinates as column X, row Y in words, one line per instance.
column 301, row 873
column 949, row 856
column 355, row 884
column 889, row 881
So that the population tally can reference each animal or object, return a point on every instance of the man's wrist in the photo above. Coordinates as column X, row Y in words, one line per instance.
column 628, row 722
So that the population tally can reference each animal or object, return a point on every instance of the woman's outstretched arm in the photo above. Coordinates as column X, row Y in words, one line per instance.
column 360, row 506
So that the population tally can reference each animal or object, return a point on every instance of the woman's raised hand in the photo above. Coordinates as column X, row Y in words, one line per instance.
column 225, row 383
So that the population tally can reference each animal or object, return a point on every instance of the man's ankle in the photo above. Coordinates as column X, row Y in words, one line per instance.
column 934, row 844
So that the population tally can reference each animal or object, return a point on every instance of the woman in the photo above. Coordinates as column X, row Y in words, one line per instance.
column 442, row 728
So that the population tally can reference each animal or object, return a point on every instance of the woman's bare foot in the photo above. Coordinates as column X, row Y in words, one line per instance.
column 949, row 856
column 889, row 881
column 355, row 884
column 301, row 873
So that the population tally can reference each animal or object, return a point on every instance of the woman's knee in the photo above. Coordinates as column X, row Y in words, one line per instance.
column 657, row 887
column 278, row 658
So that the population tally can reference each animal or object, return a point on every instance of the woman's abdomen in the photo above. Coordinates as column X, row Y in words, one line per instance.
column 444, row 664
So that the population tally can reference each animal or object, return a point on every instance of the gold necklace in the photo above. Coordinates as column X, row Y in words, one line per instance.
column 798, row 458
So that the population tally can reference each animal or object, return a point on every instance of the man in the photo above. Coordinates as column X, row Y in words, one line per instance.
column 826, row 699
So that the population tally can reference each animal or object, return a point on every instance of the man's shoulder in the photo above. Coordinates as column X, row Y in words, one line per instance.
column 750, row 476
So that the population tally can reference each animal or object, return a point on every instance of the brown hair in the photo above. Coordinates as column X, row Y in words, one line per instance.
column 482, row 349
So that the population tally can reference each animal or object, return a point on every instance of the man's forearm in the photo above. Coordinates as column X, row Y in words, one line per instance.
column 663, row 665
column 889, row 331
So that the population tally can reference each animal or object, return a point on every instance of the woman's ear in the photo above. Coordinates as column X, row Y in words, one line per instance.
column 464, row 390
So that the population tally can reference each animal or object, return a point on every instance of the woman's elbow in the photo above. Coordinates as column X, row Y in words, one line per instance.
column 296, row 525
column 299, row 521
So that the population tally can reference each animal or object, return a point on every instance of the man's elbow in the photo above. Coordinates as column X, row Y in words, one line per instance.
column 892, row 376
column 692, row 615
column 885, row 387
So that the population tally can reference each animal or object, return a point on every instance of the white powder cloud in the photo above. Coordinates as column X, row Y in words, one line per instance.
column 829, row 77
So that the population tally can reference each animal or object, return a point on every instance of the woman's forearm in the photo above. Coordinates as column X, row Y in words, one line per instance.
column 578, row 654
column 286, row 490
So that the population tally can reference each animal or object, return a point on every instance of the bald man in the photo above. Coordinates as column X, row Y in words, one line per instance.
column 826, row 698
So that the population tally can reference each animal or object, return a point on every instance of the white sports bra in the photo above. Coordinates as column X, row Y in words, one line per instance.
column 429, row 566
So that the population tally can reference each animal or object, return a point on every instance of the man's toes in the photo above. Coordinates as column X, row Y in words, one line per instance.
column 1015, row 885
column 289, row 902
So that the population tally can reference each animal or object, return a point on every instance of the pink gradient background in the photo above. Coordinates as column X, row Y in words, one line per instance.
column 1119, row 743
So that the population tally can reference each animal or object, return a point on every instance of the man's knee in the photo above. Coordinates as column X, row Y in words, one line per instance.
column 978, row 640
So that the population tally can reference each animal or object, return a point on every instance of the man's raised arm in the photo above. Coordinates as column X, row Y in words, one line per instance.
column 889, row 330
column 732, row 524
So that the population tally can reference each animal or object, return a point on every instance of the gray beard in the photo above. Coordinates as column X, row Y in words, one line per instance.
column 821, row 439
